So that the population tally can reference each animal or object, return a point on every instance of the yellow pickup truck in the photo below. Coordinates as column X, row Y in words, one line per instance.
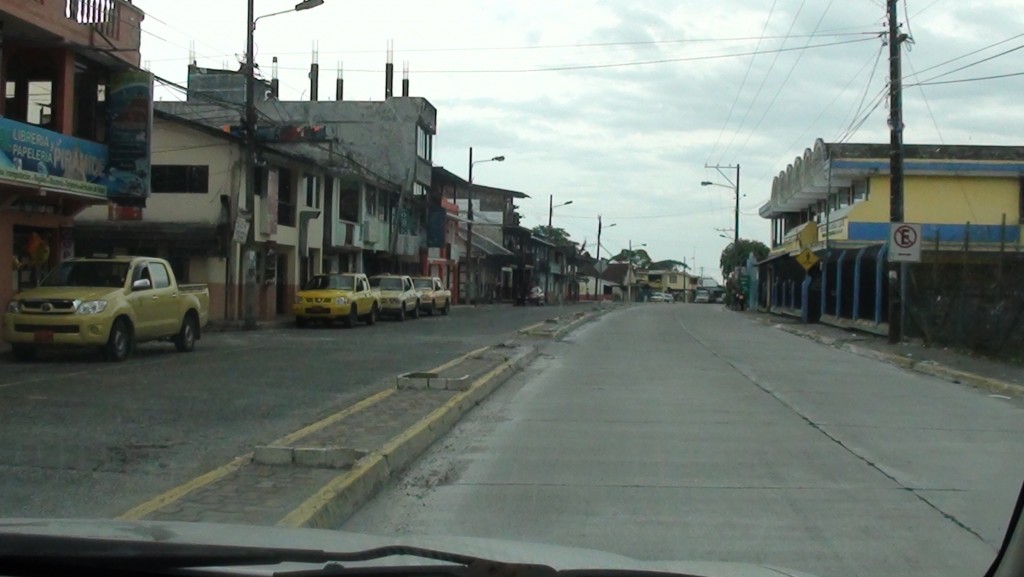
column 434, row 296
column 109, row 303
column 328, row 297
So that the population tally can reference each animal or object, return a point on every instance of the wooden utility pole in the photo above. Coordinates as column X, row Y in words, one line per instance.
column 895, row 163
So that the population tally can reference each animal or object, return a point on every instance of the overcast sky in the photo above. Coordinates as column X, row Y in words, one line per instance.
column 643, row 93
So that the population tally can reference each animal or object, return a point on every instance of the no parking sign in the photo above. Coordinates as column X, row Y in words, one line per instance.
column 904, row 242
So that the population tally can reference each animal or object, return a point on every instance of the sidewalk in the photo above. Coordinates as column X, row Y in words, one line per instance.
column 942, row 362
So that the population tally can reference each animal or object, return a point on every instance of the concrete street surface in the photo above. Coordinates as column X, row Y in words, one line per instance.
column 688, row 432
column 85, row 438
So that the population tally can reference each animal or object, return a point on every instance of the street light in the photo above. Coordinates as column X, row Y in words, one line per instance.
column 736, row 190
column 250, row 154
column 551, row 236
column 469, row 224
column 597, row 282
column 629, row 285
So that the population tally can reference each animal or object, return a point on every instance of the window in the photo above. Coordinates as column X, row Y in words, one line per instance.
column 159, row 274
column 180, row 178
column 285, row 198
column 424, row 144
column 312, row 191
column 419, row 190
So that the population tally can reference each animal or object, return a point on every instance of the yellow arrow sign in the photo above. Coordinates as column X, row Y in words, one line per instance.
column 807, row 259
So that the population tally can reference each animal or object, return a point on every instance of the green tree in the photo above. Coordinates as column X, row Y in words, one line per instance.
column 556, row 235
column 640, row 257
column 736, row 254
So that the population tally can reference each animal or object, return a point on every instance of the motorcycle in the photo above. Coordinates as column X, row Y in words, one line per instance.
column 535, row 297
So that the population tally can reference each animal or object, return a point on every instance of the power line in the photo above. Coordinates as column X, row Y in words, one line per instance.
column 764, row 80
column 743, row 83
column 785, row 80
column 613, row 64
column 975, row 63
column 965, row 55
column 975, row 79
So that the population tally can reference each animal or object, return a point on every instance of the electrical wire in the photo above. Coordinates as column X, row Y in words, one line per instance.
column 785, row 80
column 764, row 80
column 613, row 64
column 974, row 79
column 743, row 83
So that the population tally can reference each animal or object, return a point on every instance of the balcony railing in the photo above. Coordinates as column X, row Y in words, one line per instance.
column 346, row 234
column 110, row 24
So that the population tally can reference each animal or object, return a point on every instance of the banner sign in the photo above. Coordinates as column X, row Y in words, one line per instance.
column 40, row 157
column 130, row 130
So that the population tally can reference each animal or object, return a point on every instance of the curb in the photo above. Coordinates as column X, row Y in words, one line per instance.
column 340, row 498
column 929, row 368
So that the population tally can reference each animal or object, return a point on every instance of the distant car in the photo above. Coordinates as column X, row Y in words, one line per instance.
column 398, row 297
column 336, row 297
column 433, row 296
column 702, row 296
column 661, row 298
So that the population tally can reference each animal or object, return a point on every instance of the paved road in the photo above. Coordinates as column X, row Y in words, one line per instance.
column 84, row 438
column 687, row 432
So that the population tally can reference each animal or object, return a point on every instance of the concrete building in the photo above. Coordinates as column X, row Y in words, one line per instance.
column 833, row 202
column 198, row 192
column 63, row 67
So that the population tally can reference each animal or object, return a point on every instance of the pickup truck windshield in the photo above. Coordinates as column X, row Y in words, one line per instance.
column 331, row 281
column 88, row 274
column 423, row 283
column 386, row 283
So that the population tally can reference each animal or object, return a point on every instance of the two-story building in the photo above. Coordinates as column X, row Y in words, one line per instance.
column 832, row 203
column 71, row 104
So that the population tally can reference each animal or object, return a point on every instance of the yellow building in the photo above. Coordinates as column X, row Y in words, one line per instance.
column 832, row 203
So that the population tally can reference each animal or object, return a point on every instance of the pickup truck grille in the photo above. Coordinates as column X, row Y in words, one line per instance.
column 61, row 329
column 52, row 306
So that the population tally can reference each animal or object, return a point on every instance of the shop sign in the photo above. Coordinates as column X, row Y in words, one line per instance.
column 39, row 157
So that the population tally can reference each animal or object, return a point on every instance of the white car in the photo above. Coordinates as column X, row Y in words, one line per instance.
column 661, row 298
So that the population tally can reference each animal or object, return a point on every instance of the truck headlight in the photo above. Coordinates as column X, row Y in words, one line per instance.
column 14, row 307
column 341, row 301
column 91, row 307
column 298, row 300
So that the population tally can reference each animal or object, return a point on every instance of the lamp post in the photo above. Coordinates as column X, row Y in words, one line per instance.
column 469, row 225
column 249, row 254
column 736, row 190
column 629, row 284
column 597, row 282
column 551, row 237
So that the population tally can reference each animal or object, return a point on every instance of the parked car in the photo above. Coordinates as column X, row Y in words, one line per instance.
column 329, row 297
column 109, row 303
column 433, row 295
column 397, row 295
column 660, row 298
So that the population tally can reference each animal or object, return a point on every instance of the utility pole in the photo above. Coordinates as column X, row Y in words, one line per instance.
column 736, row 191
column 249, row 254
column 597, row 266
column 895, row 162
column 469, row 233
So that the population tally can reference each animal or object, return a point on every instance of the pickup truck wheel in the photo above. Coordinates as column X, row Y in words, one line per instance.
column 401, row 313
column 353, row 317
column 447, row 307
column 371, row 319
column 185, row 341
column 24, row 353
column 416, row 310
column 120, row 342
column 433, row 308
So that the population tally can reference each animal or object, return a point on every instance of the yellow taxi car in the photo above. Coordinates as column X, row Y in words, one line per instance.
column 434, row 296
column 329, row 297
column 398, row 297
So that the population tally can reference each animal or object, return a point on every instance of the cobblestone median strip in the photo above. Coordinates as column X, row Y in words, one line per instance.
column 336, row 500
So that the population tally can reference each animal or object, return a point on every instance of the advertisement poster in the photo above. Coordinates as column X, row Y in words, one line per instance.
column 36, row 156
column 130, row 129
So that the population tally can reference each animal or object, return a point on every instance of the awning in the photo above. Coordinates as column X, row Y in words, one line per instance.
column 486, row 245
column 177, row 236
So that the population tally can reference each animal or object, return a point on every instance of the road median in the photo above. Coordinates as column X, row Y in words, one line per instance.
column 320, row 474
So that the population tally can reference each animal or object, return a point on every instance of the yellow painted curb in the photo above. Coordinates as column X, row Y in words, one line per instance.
column 172, row 495
column 370, row 471
column 458, row 360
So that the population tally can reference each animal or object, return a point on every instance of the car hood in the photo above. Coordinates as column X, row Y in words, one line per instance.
column 324, row 293
column 340, row 541
column 389, row 293
column 68, row 293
